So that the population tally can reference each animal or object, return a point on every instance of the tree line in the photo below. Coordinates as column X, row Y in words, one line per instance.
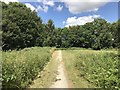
column 22, row 28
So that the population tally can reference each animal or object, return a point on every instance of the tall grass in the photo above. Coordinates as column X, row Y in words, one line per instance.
column 19, row 68
column 99, row 68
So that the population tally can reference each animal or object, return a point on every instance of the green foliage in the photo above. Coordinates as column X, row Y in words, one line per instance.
column 22, row 28
column 95, row 35
column 115, row 27
column 99, row 68
column 49, row 35
column 19, row 68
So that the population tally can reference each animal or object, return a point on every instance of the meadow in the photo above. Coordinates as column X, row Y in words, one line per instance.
column 85, row 68
column 19, row 68
column 22, row 27
column 92, row 68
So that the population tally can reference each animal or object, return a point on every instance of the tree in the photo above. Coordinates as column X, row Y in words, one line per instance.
column 21, row 27
column 50, row 25
column 49, row 34
column 102, row 34
column 114, row 32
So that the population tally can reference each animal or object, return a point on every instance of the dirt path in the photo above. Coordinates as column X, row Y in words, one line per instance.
column 53, row 75
column 61, row 80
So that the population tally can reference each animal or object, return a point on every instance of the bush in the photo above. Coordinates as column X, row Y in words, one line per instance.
column 21, row 67
column 100, row 69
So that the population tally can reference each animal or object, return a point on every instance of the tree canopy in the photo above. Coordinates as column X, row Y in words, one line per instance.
column 22, row 28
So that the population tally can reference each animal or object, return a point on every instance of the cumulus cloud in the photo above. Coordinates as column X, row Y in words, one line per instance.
column 7, row 1
column 72, row 21
column 44, row 8
column 64, row 22
column 59, row 8
column 39, row 8
column 45, row 5
column 93, row 10
column 79, row 6
column 47, row 2
column 30, row 6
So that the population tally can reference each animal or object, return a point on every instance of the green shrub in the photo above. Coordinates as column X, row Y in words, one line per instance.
column 99, row 68
column 19, row 68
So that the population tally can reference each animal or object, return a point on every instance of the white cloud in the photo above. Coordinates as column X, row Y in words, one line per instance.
column 64, row 22
column 44, row 8
column 7, row 1
column 30, row 6
column 39, row 8
column 45, row 5
column 59, row 8
column 47, row 2
column 66, row 0
column 72, row 21
column 93, row 10
column 78, row 6
column 50, row 3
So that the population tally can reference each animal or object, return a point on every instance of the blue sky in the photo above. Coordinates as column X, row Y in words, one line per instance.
column 71, row 12
column 109, row 12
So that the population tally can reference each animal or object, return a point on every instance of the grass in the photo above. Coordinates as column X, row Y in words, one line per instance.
column 46, row 77
column 34, row 68
column 0, row 68
column 73, row 73
column 90, row 68
column 19, row 68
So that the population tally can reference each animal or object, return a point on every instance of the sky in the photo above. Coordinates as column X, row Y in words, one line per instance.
column 66, row 13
